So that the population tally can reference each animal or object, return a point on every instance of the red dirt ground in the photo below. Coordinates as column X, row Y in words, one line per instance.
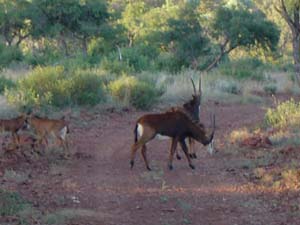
column 98, row 178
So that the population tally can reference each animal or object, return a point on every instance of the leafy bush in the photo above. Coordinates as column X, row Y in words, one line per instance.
column 57, row 87
column 8, row 55
column 270, row 89
column 87, row 88
column 44, row 86
column 246, row 68
column 130, row 90
column 116, row 66
column 231, row 87
column 166, row 61
column 11, row 203
column 6, row 83
column 285, row 114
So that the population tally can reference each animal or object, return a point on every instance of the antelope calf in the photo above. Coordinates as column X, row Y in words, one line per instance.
column 44, row 127
column 13, row 126
column 176, row 125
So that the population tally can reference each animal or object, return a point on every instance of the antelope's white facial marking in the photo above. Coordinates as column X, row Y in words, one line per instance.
column 63, row 133
column 210, row 147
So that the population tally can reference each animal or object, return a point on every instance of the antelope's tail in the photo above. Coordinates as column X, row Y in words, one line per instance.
column 135, row 133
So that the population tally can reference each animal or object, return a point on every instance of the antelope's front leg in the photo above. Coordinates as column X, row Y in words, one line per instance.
column 185, row 150
column 191, row 150
column 172, row 151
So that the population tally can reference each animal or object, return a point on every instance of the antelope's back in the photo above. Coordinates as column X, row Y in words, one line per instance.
column 170, row 123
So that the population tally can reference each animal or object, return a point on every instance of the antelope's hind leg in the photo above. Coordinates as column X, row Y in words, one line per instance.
column 144, row 154
column 147, row 135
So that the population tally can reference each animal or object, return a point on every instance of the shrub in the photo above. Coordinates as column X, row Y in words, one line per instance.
column 270, row 89
column 8, row 55
column 166, row 61
column 87, row 88
column 44, row 86
column 6, row 83
column 247, row 68
column 130, row 90
column 285, row 114
column 116, row 66
column 55, row 86
column 11, row 203
column 228, row 86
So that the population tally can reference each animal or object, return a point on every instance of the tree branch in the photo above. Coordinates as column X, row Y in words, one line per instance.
column 283, row 12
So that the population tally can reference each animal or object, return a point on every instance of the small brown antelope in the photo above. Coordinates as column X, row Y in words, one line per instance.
column 44, row 127
column 191, row 109
column 176, row 125
column 13, row 126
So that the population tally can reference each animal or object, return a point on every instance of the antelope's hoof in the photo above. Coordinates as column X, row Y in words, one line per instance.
column 148, row 168
column 178, row 157
column 131, row 164
column 190, row 155
column 192, row 166
column 194, row 156
column 170, row 167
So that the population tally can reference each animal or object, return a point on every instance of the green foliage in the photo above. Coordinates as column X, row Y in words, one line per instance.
column 130, row 90
column 241, row 27
column 6, row 83
column 14, row 16
column 81, row 19
column 186, row 36
column 8, row 55
column 139, row 57
column 270, row 89
column 87, row 88
column 166, row 61
column 285, row 114
column 57, row 87
column 47, row 55
column 245, row 68
column 11, row 203
column 116, row 66
column 232, row 88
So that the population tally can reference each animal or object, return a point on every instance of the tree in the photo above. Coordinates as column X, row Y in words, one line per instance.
column 14, row 21
column 82, row 19
column 132, row 19
column 289, row 11
column 185, row 38
column 233, row 28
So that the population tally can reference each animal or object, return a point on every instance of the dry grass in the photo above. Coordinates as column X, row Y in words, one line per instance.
column 236, row 136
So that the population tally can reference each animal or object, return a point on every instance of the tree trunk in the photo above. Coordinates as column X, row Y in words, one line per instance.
column 223, row 51
column 215, row 62
column 64, row 44
column 296, row 55
column 84, row 46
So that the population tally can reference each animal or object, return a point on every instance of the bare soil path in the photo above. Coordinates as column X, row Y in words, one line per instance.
column 97, row 180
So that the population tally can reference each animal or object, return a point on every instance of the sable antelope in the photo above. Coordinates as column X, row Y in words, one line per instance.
column 13, row 126
column 44, row 127
column 191, row 109
column 176, row 125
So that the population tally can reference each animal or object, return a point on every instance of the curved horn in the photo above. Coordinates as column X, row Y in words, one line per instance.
column 213, row 121
column 195, row 92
